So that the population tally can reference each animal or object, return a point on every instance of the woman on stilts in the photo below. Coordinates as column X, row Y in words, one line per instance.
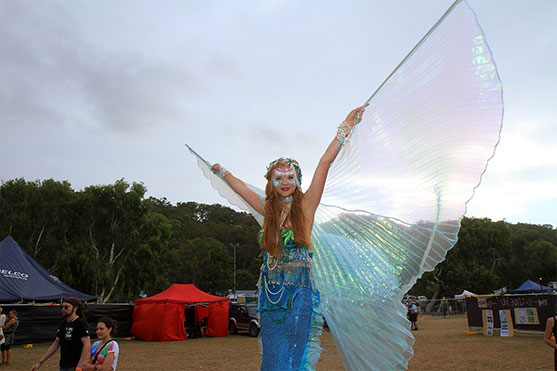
column 288, row 301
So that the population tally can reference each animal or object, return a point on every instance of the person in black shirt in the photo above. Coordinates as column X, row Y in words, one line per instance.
column 72, row 338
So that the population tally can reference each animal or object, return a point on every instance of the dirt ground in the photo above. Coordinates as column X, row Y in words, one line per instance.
column 441, row 344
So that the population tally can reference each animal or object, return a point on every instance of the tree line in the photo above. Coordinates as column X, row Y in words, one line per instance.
column 493, row 255
column 113, row 242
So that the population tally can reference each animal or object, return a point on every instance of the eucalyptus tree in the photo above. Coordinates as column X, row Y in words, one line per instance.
column 122, row 237
column 40, row 216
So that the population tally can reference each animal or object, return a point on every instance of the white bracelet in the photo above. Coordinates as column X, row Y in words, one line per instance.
column 343, row 131
column 222, row 172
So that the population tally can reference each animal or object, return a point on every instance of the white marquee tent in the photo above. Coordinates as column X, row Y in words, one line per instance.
column 464, row 294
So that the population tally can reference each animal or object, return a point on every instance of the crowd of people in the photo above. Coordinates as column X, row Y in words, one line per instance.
column 77, row 353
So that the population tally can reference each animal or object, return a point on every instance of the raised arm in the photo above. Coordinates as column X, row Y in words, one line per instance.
column 240, row 188
column 312, row 196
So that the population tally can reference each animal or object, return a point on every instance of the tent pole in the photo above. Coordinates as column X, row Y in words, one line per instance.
column 235, row 245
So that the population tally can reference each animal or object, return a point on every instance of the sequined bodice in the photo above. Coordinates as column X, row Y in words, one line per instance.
column 281, row 278
column 291, row 261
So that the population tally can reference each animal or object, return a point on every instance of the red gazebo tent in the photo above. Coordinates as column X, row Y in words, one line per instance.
column 161, row 317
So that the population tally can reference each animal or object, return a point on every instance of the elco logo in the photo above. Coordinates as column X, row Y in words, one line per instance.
column 11, row 274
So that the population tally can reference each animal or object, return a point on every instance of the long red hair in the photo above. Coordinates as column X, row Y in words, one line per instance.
column 272, row 241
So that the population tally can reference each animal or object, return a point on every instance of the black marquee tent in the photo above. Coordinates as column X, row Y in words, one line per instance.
column 23, row 279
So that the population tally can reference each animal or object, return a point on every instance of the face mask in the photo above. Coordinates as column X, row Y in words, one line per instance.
column 284, row 175
column 289, row 164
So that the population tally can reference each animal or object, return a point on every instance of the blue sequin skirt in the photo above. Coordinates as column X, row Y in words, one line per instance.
column 290, row 337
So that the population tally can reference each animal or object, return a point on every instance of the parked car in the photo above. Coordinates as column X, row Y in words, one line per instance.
column 422, row 302
column 243, row 317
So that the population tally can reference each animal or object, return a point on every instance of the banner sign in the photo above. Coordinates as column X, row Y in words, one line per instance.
column 505, row 319
column 488, row 322
column 527, row 312
column 526, row 316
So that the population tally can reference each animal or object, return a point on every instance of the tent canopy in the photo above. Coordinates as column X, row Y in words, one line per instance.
column 181, row 294
column 168, row 308
column 530, row 286
column 464, row 294
column 22, row 278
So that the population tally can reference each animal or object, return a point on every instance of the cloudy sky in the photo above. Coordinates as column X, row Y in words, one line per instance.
column 95, row 91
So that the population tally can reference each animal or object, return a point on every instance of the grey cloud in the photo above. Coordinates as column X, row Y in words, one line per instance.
column 50, row 76
column 268, row 138
column 129, row 92
column 272, row 140
column 224, row 66
column 26, row 51
column 536, row 173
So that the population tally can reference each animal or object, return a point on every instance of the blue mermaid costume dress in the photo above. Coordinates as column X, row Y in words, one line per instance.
column 291, row 322
column 392, row 205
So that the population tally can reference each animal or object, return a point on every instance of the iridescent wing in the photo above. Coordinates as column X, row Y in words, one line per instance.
column 225, row 190
column 395, row 196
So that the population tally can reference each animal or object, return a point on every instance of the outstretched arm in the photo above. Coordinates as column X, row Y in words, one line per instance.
column 49, row 352
column 240, row 188
column 312, row 196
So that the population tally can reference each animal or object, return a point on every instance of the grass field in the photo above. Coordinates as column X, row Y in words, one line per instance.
column 440, row 345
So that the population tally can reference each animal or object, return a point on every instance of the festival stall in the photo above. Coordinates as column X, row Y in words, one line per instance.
column 530, row 286
column 463, row 295
column 161, row 317
column 22, row 279
column 523, row 312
